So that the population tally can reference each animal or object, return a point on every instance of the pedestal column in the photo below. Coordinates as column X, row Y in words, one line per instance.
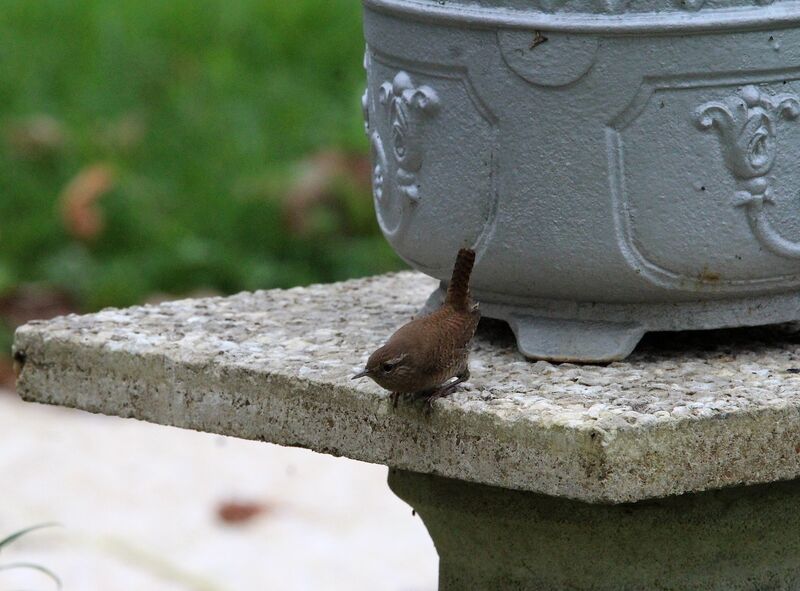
column 738, row 539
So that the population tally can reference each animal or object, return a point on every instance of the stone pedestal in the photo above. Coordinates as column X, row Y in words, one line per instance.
column 547, row 476
column 489, row 538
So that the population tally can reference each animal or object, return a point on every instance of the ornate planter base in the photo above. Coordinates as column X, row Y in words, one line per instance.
column 741, row 539
column 559, row 330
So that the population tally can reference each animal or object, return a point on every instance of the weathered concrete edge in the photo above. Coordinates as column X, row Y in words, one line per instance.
column 695, row 455
column 298, row 412
column 584, row 464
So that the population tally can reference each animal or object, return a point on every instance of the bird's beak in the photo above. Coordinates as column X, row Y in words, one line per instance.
column 360, row 374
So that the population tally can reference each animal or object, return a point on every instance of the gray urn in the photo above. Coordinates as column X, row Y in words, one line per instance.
column 619, row 166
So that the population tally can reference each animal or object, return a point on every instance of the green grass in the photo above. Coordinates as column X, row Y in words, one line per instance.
column 201, row 107
column 10, row 539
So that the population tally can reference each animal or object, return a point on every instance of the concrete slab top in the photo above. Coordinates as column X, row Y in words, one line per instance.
column 686, row 412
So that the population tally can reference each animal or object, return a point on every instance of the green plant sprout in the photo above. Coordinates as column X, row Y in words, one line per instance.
column 28, row 565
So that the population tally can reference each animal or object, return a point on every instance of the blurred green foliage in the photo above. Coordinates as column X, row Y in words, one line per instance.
column 202, row 109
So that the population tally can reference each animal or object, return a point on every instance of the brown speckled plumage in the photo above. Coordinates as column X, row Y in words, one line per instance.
column 425, row 354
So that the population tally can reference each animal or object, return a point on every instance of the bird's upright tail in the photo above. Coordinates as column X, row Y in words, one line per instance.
column 458, row 290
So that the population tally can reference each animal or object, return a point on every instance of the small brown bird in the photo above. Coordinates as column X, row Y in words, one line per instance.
column 424, row 356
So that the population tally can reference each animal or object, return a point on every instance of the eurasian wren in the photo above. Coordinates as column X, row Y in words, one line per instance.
column 424, row 356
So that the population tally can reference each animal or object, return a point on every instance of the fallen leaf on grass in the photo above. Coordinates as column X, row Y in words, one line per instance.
column 79, row 211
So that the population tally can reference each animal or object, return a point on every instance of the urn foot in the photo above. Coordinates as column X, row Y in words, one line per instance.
column 559, row 339
column 600, row 332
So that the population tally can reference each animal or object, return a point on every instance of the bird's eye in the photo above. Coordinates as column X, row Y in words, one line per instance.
column 387, row 367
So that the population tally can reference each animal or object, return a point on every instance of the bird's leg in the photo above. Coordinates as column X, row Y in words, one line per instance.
column 396, row 396
column 445, row 390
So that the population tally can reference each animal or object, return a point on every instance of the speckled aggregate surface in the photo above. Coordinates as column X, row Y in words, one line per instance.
column 686, row 412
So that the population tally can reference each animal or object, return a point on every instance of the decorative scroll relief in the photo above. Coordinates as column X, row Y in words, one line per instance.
column 747, row 124
column 406, row 106
column 397, row 156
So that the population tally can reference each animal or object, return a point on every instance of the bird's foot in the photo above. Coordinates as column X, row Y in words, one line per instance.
column 443, row 391
column 395, row 397
column 438, row 393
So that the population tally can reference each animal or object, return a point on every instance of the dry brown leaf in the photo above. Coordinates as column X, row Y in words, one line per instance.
column 81, row 216
column 238, row 512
